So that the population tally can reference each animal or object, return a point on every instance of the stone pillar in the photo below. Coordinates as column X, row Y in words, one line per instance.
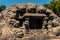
column 44, row 29
column 50, row 29
column 26, row 23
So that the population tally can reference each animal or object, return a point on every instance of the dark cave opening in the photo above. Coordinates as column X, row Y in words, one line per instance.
column 32, row 10
column 35, row 23
column 21, row 12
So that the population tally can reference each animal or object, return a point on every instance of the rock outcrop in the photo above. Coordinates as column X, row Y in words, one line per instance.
column 28, row 21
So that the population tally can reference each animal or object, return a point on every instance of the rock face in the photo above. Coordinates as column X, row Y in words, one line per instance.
column 28, row 22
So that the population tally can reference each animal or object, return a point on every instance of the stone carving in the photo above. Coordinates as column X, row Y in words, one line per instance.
column 28, row 20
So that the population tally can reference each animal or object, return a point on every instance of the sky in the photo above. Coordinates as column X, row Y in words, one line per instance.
column 8, row 3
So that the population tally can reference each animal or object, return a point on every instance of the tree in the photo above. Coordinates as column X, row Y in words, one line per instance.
column 51, row 6
column 54, row 6
column 58, row 7
column 2, row 7
column 46, row 5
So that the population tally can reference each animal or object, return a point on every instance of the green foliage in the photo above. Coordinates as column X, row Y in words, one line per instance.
column 46, row 5
column 54, row 6
column 2, row 7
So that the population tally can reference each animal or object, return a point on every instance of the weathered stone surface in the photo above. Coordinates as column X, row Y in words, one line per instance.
column 38, row 21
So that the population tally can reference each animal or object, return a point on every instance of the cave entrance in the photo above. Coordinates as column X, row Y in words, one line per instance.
column 35, row 22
